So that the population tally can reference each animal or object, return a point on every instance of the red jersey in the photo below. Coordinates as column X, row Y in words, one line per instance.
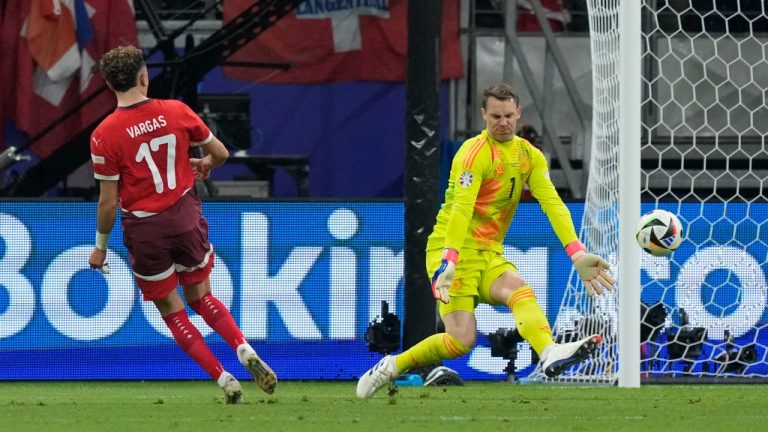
column 145, row 147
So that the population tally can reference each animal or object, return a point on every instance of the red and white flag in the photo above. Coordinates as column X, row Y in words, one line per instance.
column 341, row 40
column 49, row 50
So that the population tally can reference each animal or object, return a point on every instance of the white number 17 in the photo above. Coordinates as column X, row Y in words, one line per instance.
column 144, row 154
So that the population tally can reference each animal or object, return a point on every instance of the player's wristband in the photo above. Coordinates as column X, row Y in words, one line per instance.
column 451, row 255
column 101, row 240
column 575, row 246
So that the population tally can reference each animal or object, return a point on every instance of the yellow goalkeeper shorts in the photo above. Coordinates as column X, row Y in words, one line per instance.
column 475, row 273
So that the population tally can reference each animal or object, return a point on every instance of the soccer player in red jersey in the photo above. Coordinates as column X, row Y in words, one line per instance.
column 140, row 155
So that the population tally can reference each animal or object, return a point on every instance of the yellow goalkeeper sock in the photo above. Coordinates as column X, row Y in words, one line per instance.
column 531, row 322
column 440, row 346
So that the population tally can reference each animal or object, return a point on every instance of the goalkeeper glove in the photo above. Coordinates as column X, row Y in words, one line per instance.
column 443, row 277
column 592, row 269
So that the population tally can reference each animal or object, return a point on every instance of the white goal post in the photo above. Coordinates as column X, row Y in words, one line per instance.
column 629, row 193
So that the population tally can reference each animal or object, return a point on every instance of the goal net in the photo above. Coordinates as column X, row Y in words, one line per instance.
column 704, row 158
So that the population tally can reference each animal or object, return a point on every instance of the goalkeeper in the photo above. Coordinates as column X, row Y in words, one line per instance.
column 464, row 251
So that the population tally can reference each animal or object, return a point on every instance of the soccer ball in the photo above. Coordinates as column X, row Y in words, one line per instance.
column 659, row 232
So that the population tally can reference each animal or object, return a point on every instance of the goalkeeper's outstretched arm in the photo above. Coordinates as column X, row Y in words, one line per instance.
column 593, row 270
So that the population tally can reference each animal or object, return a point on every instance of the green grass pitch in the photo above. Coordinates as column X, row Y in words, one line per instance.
column 332, row 406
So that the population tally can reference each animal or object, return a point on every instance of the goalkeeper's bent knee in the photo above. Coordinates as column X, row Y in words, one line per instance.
column 531, row 322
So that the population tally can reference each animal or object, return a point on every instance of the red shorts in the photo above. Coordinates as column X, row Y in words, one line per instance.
column 161, row 255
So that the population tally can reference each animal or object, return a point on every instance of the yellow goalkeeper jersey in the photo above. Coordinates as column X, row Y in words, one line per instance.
column 484, row 189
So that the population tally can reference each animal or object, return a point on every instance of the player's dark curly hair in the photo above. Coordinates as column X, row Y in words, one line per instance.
column 120, row 67
column 501, row 92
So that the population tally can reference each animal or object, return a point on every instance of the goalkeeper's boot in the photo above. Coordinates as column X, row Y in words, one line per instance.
column 233, row 392
column 263, row 375
column 377, row 377
column 556, row 358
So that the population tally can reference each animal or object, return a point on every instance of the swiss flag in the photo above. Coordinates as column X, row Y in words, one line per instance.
column 49, row 50
column 341, row 40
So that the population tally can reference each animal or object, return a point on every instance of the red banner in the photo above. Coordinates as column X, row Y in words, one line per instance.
column 341, row 40
column 49, row 50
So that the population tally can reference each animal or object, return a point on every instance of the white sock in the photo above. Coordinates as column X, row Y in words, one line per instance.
column 223, row 378
column 545, row 351
column 244, row 349
column 392, row 365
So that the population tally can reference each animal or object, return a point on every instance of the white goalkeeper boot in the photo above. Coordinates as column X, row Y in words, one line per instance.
column 556, row 358
column 263, row 375
column 377, row 377
column 233, row 392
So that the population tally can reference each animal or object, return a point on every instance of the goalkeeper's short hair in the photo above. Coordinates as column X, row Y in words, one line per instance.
column 501, row 92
